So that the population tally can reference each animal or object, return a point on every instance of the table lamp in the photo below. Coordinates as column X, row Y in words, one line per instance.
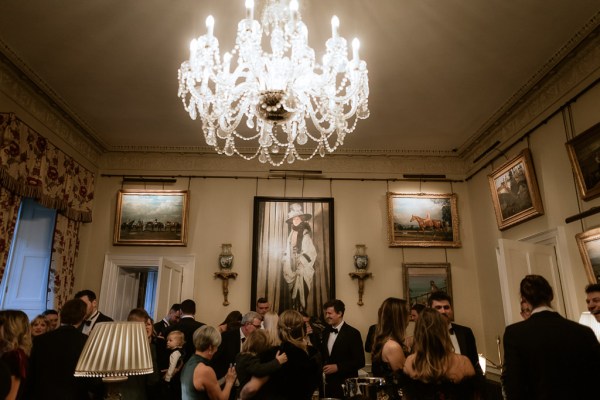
column 114, row 351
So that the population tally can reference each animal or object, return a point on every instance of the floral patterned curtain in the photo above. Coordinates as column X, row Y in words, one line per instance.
column 65, row 247
column 31, row 166
column 9, row 211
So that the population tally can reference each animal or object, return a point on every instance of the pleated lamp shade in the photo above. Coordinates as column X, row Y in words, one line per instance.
column 114, row 351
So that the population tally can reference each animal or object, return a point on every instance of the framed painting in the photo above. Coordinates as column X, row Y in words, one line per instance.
column 293, row 253
column 589, row 248
column 153, row 218
column 423, row 220
column 584, row 154
column 422, row 279
column 515, row 191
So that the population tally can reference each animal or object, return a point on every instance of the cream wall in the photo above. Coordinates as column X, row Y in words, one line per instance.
column 221, row 212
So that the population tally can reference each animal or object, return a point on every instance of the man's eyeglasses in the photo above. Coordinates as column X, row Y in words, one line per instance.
column 442, row 307
column 257, row 326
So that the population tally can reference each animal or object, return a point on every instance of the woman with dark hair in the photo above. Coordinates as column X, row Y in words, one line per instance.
column 299, row 377
column 15, row 347
column 143, row 387
column 389, row 352
column 436, row 371
column 232, row 321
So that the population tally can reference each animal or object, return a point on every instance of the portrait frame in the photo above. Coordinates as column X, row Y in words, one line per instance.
column 423, row 220
column 584, row 155
column 275, row 276
column 515, row 192
column 589, row 248
column 151, row 218
column 421, row 279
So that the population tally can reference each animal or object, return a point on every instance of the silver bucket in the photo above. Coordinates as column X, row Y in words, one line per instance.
column 367, row 388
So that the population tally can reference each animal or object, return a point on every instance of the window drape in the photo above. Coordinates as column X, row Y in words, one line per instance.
column 9, row 211
column 31, row 166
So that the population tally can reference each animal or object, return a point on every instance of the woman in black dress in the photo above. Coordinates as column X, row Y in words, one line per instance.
column 389, row 352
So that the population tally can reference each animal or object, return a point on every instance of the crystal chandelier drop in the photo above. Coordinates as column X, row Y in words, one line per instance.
column 294, row 107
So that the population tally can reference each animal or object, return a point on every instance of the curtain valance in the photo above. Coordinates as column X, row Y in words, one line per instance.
column 31, row 166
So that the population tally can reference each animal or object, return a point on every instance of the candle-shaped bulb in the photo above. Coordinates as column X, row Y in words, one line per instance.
column 210, row 25
column 226, row 61
column 193, row 46
column 335, row 24
column 293, row 10
column 250, row 9
column 355, row 47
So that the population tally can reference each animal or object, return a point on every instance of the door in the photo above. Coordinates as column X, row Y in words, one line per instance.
column 170, row 278
column 27, row 268
column 517, row 259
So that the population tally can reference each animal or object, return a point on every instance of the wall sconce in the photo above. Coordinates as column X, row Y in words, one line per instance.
column 114, row 351
column 225, row 264
column 361, row 262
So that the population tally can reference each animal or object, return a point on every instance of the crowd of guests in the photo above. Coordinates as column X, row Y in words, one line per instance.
column 418, row 351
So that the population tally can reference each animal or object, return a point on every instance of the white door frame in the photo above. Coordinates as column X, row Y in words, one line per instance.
column 557, row 238
column 112, row 263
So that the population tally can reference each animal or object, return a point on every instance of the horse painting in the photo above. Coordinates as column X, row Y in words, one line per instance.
column 427, row 222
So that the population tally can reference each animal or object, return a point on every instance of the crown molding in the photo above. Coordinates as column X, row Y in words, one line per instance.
column 574, row 66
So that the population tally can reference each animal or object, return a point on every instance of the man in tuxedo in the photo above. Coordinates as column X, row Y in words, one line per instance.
column 54, row 357
column 593, row 299
column 462, row 337
column 92, row 316
column 171, row 318
column 342, row 350
column 231, row 343
column 548, row 356
column 188, row 325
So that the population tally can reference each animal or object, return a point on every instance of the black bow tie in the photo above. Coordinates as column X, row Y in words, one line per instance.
column 88, row 322
column 334, row 330
column 451, row 330
column 243, row 339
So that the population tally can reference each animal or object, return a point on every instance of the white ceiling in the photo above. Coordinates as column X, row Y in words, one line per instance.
column 439, row 70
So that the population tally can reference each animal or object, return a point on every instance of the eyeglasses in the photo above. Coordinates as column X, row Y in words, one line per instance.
column 257, row 326
column 442, row 307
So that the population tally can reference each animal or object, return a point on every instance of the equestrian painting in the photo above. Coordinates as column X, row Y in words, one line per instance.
column 515, row 191
column 423, row 220
column 156, row 218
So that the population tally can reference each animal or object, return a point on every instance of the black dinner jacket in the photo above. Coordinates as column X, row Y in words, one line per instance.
column 52, row 364
column 188, row 326
column 468, row 347
column 228, row 350
column 160, row 327
column 550, row 357
column 347, row 353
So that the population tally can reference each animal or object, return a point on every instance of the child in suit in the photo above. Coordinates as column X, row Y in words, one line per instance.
column 175, row 342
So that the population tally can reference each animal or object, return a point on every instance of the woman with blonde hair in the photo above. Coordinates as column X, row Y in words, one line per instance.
column 436, row 371
column 15, row 347
column 198, row 379
column 39, row 326
column 389, row 352
column 299, row 377
column 271, row 322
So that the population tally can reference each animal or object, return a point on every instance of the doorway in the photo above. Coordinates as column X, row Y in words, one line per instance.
column 151, row 282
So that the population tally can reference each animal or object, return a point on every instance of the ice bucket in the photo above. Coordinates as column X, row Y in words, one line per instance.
column 364, row 389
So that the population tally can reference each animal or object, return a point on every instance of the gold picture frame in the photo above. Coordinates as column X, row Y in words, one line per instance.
column 151, row 218
column 423, row 220
column 584, row 154
column 515, row 192
column 422, row 279
column 589, row 248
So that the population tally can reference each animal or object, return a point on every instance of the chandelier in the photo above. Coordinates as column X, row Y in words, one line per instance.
column 293, row 107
